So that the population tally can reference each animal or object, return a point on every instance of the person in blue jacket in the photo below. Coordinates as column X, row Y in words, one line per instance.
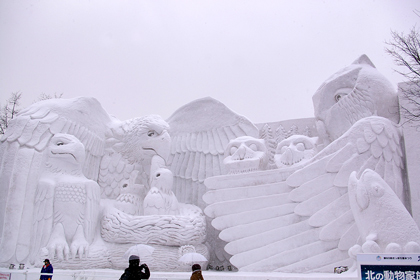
column 46, row 268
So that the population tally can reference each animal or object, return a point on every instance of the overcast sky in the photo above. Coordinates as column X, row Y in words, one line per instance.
column 262, row 59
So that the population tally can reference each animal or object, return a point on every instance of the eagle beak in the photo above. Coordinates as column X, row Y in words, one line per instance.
column 164, row 145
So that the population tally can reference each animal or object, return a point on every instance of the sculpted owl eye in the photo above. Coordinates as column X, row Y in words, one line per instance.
column 342, row 92
column 300, row 147
column 151, row 133
column 253, row 147
column 338, row 96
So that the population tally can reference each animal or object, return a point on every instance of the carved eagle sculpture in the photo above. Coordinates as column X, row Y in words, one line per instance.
column 113, row 151
column 299, row 219
column 61, row 187
column 23, row 151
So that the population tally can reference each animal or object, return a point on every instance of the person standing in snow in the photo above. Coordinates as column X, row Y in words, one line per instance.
column 196, row 273
column 46, row 268
column 134, row 271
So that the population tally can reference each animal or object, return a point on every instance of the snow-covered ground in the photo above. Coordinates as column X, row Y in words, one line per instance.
column 33, row 274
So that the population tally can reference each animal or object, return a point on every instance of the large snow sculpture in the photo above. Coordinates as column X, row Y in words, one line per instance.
column 299, row 219
column 62, row 186
column 119, row 155
column 296, row 218
column 383, row 222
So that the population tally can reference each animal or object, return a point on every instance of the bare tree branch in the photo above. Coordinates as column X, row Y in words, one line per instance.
column 405, row 50
column 9, row 111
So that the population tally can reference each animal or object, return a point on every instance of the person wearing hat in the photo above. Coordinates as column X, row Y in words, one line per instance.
column 135, row 271
column 46, row 268
column 196, row 272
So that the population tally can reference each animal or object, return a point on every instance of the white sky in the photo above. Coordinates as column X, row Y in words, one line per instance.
column 262, row 59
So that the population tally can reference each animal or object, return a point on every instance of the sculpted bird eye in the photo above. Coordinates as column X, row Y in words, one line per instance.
column 300, row 147
column 151, row 133
column 342, row 92
column 60, row 144
column 253, row 147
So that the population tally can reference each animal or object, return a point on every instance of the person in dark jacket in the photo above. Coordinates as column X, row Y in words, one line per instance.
column 46, row 268
column 135, row 271
column 196, row 273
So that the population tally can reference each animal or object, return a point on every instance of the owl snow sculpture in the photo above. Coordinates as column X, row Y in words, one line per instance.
column 160, row 199
column 295, row 150
column 66, row 203
column 300, row 219
column 353, row 93
column 245, row 154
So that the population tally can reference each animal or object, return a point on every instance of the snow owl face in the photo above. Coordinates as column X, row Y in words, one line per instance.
column 353, row 93
column 66, row 148
column 245, row 154
column 295, row 150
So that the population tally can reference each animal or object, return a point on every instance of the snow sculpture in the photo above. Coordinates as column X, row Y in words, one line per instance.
column 353, row 93
column 22, row 153
column 298, row 218
column 295, row 150
column 200, row 132
column 383, row 222
column 160, row 199
column 189, row 227
column 62, row 186
column 130, row 200
column 119, row 155
column 245, row 154
column 131, row 145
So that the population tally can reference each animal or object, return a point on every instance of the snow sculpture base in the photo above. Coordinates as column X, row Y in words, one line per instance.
column 166, row 233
